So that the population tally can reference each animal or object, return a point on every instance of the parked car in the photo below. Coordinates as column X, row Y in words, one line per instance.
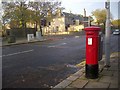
column 116, row 32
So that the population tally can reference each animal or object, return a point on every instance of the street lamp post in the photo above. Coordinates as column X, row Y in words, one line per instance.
column 107, row 35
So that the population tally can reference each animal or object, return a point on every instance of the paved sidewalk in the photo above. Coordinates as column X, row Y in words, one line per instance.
column 108, row 77
column 25, row 41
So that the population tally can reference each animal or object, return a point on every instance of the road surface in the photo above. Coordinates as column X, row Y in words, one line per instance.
column 44, row 64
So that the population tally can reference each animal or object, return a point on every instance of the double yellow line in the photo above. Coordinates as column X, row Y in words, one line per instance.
column 81, row 64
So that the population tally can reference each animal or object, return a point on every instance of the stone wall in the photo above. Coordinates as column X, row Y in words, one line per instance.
column 76, row 28
column 19, row 32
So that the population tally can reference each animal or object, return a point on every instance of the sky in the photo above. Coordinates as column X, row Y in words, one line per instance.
column 77, row 6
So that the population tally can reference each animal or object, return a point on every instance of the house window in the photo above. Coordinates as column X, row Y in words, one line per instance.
column 43, row 22
column 57, row 28
column 73, row 22
column 80, row 22
column 72, row 18
column 49, row 23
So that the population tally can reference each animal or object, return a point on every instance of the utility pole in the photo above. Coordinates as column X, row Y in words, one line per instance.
column 107, row 34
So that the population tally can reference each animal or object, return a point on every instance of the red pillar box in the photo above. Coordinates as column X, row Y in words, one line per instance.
column 92, row 45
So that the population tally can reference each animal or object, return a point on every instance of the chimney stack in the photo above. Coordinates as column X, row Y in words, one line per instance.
column 84, row 12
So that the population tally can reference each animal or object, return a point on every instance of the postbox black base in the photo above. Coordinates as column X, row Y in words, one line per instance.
column 91, row 71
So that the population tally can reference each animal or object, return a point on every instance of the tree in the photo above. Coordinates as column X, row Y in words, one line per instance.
column 116, row 23
column 36, row 7
column 100, row 16
column 16, row 13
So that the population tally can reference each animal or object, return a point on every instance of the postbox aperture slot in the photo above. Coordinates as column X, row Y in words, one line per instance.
column 90, row 33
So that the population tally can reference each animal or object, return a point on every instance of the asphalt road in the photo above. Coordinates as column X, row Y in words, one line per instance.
column 44, row 64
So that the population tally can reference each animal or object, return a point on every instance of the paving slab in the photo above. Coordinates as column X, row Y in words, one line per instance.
column 107, row 72
column 105, row 79
column 56, row 88
column 114, row 80
column 72, row 78
column 92, row 89
column 97, row 85
column 63, row 84
column 115, row 74
column 68, row 87
column 79, row 83
column 114, row 67
column 113, row 85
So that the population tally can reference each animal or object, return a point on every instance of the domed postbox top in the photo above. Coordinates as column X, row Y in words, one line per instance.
column 92, row 28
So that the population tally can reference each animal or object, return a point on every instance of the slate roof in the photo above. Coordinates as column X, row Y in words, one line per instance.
column 74, row 16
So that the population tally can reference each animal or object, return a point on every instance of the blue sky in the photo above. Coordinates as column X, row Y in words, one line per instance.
column 77, row 6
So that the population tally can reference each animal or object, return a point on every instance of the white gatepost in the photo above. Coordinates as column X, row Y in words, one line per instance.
column 30, row 37
column 38, row 35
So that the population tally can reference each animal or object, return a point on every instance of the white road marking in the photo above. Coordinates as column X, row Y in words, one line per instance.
column 63, row 43
column 51, row 46
column 77, row 36
column 57, row 45
column 17, row 53
column 71, row 66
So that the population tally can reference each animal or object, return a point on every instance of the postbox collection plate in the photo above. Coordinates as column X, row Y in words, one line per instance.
column 89, row 41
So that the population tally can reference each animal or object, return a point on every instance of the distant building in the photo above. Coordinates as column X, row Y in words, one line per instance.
column 63, row 21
